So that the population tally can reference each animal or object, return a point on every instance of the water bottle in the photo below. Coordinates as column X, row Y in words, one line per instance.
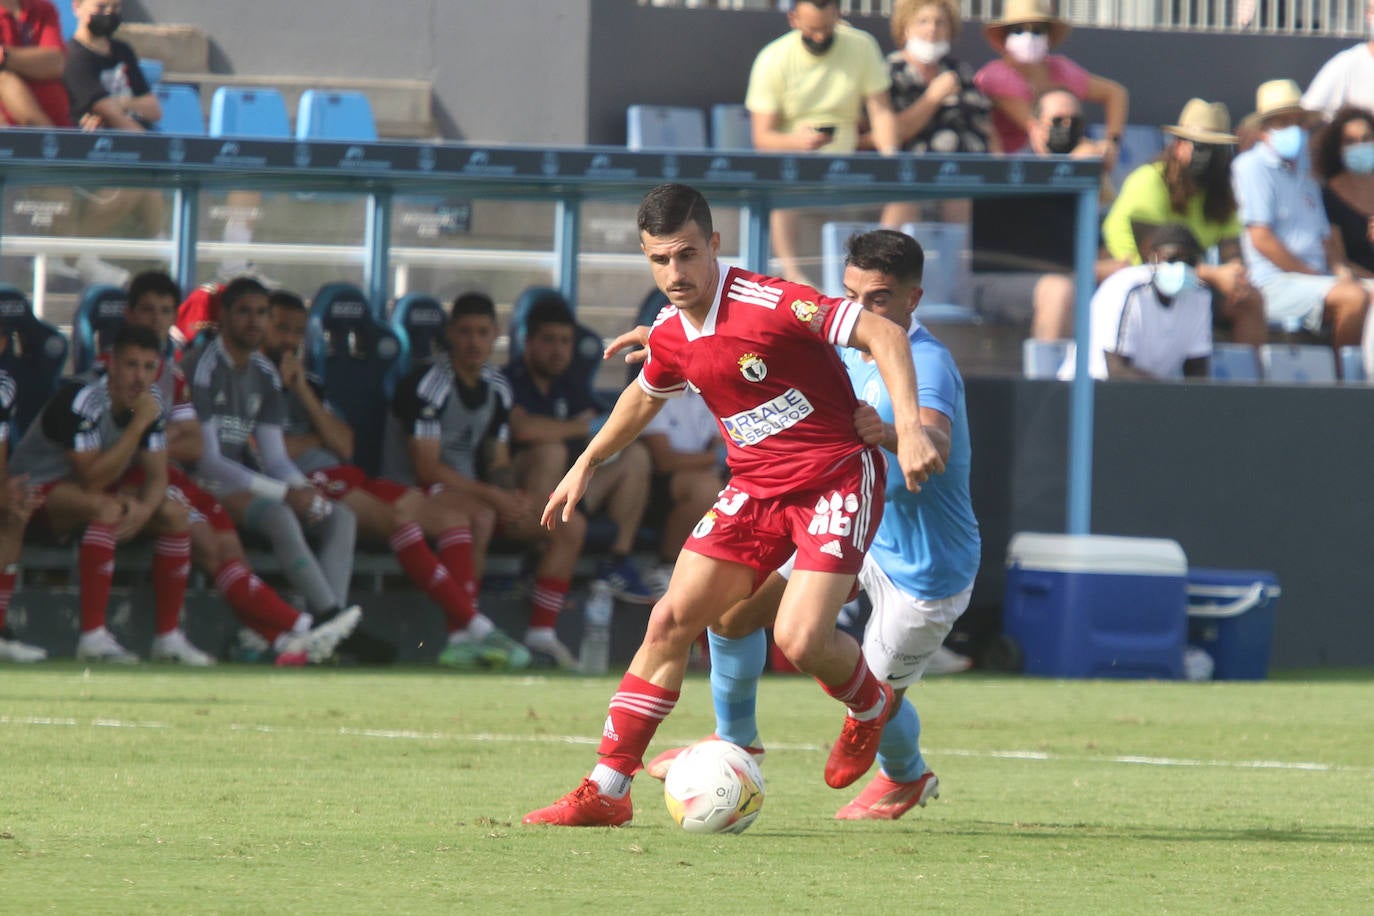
column 595, row 655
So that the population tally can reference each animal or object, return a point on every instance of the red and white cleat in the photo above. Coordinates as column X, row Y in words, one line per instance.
column 585, row 806
column 857, row 747
column 885, row 799
column 659, row 766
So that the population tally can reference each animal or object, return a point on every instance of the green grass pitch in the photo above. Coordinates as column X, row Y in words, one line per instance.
column 247, row 790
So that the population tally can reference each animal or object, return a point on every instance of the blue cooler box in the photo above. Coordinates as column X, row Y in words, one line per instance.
column 1097, row 606
column 1231, row 618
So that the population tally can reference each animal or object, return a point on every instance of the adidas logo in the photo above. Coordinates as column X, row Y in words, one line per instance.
column 834, row 549
column 608, row 731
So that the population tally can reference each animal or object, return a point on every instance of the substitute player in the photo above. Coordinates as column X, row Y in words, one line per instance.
column 918, row 573
column 761, row 352
column 17, row 502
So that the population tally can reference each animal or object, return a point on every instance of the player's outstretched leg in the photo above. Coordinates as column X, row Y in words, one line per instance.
column 869, row 703
column 903, row 781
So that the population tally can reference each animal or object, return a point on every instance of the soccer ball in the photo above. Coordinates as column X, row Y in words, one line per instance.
column 714, row 787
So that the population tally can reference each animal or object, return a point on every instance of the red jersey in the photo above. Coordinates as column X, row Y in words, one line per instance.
column 199, row 312
column 765, row 363
column 38, row 26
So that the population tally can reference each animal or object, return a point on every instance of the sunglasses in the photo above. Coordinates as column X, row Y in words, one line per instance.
column 1066, row 119
column 1035, row 28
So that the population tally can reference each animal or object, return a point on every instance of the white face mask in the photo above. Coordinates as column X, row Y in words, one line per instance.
column 1173, row 277
column 927, row 52
column 1027, row 47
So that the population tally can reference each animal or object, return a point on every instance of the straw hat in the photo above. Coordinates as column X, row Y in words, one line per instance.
column 1203, row 122
column 1277, row 97
column 1015, row 12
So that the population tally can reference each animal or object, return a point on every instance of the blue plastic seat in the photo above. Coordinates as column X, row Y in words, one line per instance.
column 946, row 278
column 335, row 116
column 359, row 358
column 664, row 127
column 731, row 128
column 99, row 315
column 1298, row 364
column 1041, row 359
column 181, row 112
column 249, row 113
column 1233, row 362
column 34, row 356
column 1351, row 360
column 66, row 16
column 152, row 71
column 418, row 320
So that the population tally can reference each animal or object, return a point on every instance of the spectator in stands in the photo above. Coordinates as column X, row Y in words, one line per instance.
column 807, row 93
column 1345, row 163
column 319, row 440
column 939, row 109
column 1191, row 184
column 97, row 452
column 554, row 415
column 1286, row 234
column 454, row 418
column 271, row 622
column 1024, row 37
column 17, row 502
column 108, row 92
column 684, row 442
column 1024, row 248
column 1152, row 320
column 1346, row 80
column 32, row 56
column 238, row 397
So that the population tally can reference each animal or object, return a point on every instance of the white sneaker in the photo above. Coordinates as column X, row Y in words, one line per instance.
column 12, row 650
column 546, row 641
column 175, row 647
column 945, row 661
column 318, row 644
column 95, row 271
column 99, row 645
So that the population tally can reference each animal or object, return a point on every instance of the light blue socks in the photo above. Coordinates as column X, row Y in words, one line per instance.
column 736, row 665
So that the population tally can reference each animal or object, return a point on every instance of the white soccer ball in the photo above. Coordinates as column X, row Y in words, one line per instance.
column 714, row 787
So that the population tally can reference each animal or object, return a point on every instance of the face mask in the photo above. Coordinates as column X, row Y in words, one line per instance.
column 927, row 52
column 1027, row 47
column 1173, row 277
column 1288, row 142
column 1359, row 158
column 103, row 25
column 1063, row 138
column 818, row 47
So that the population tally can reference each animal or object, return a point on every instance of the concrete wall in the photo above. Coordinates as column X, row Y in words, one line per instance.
column 513, row 71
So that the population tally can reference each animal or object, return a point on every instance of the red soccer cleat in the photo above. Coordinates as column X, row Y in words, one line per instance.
column 885, row 799
column 585, row 806
column 857, row 747
column 658, row 767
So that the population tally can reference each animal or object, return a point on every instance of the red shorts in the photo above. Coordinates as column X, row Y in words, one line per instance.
column 203, row 506
column 829, row 528
column 336, row 482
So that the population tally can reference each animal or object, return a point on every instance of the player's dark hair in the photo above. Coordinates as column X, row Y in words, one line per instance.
column 548, row 308
column 152, row 283
column 472, row 304
column 136, row 335
column 669, row 207
column 237, row 289
column 284, row 299
column 888, row 252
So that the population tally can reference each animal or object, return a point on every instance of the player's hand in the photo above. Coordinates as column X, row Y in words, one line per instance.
column 20, row 499
column 919, row 458
column 808, row 139
column 514, row 509
column 565, row 497
column 639, row 337
column 136, row 516
column 302, row 501
column 292, row 375
column 944, row 85
column 868, row 424
column 147, row 408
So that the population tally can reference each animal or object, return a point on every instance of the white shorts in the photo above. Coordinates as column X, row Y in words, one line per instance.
column 903, row 631
column 1293, row 299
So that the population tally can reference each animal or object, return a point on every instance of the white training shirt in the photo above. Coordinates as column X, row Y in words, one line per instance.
column 1129, row 319
column 1346, row 79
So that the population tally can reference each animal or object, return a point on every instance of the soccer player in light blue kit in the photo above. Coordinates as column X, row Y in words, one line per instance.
column 918, row 573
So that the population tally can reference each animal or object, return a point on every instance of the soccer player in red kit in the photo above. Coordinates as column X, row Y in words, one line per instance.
column 761, row 352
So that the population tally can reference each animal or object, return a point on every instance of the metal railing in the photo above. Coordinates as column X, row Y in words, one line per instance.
column 1345, row 18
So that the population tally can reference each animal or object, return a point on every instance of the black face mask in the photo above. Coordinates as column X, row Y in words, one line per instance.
column 1063, row 137
column 819, row 47
column 103, row 25
column 1208, row 163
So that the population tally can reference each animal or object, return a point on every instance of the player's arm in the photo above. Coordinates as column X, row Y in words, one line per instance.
column 425, row 457
column 229, row 474
column 97, row 470
column 36, row 63
column 768, row 138
column 530, row 428
column 329, row 429
column 891, row 350
column 184, row 445
column 937, row 427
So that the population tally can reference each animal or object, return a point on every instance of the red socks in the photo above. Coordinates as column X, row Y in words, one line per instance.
column 549, row 594
column 455, row 552
column 636, row 709
column 425, row 570
column 7, row 577
column 255, row 603
column 861, row 692
column 95, row 562
column 171, row 567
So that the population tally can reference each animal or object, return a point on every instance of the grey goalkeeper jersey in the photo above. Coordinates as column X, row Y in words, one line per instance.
column 431, row 403
column 235, row 402
column 78, row 418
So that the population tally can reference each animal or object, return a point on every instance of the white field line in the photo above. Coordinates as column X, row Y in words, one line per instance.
column 488, row 737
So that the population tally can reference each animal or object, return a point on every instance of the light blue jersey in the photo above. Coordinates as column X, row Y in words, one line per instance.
column 928, row 542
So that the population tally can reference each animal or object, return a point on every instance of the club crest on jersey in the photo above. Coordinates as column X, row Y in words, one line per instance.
column 752, row 367
column 708, row 522
column 809, row 314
